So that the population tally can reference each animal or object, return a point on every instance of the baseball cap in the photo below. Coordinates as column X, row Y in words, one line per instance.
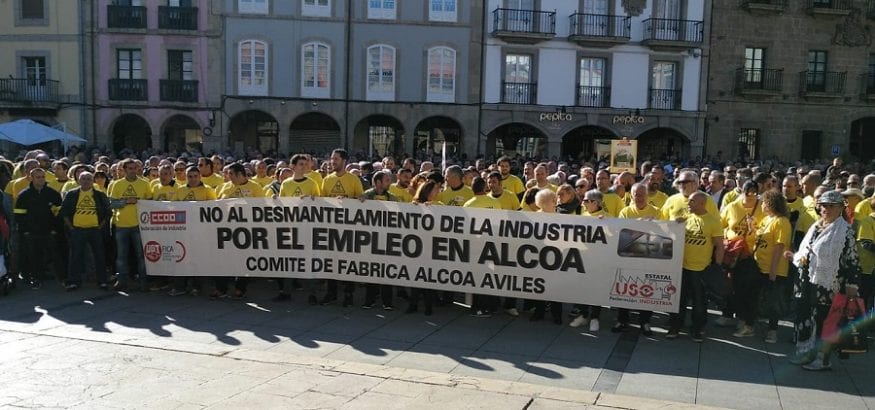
column 831, row 197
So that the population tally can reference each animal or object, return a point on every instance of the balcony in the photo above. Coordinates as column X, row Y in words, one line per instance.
column 598, row 30
column 24, row 92
column 767, row 6
column 829, row 7
column 523, row 26
column 665, row 99
column 126, row 16
column 179, row 90
column 824, row 84
column 177, row 18
column 673, row 34
column 761, row 81
column 867, row 86
column 519, row 93
column 128, row 90
column 592, row 96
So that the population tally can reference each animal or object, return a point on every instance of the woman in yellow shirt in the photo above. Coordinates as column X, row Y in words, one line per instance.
column 594, row 207
column 740, row 219
column 426, row 194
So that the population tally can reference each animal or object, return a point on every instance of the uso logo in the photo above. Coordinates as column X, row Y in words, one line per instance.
column 154, row 252
column 163, row 217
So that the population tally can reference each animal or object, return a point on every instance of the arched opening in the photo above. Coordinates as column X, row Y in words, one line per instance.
column 861, row 142
column 517, row 139
column 131, row 132
column 377, row 136
column 662, row 144
column 182, row 134
column 432, row 132
column 254, row 129
column 581, row 143
column 314, row 133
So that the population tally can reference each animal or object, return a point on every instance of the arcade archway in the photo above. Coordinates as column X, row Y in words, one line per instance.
column 314, row 133
column 432, row 132
column 580, row 143
column 131, row 131
column 376, row 136
column 254, row 129
column 662, row 144
column 517, row 139
column 182, row 133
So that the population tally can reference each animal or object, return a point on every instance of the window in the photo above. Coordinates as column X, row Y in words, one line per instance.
column 252, row 6
column 663, row 95
column 381, row 73
column 748, row 141
column 518, row 86
column 252, row 70
column 179, row 3
column 33, row 9
column 592, row 91
column 816, row 78
column 442, row 10
column 381, row 9
column 811, row 140
column 316, row 70
column 130, row 64
column 318, row 8
column 441, row 75
column 136, row 3
column 753, row 64
column 179, row 65
column 870, row 75
column 35, row 70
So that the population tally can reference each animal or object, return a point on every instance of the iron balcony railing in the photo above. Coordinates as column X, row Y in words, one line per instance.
column 762, row 79
column 524, row 21
column 28, row 90
column 830, row 4
column 827, row 82
column 128, row 90
column 687, row 31
column 126, row 16
column 177, row 18
column 592, row 96
column 179, row 90
column 867, row 83
column 665, row 99
column 519, row 93
column 600, row 25
column 776, row 3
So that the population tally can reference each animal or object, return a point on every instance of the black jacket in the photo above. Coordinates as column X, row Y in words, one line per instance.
column 33, row 210
column 68, row 207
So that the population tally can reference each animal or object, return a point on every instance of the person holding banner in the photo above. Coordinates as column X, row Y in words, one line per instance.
column 639, row 209
column 703, row 244
column 611, row 202
column 482, row 305
column 379, row 191
column 399, row 188
column 427, row 194
column 506, row 199
column 340, row 184
column 456, row 193
column 509, row 181
column 595, row 209
column 239, row 186
column 193, row 190
column 86, row 213
column 546, row 200
column 124, row 194
column 676, row 206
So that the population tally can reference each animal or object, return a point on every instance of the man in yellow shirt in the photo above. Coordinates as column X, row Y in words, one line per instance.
column 506, row 199
column 17, row 185
column 86, row 213
column 313, row 170
column 455, row 193
column 509, row 181
column 124, row 195
column 208, row 176
column 676, row 207
column 164, row 188
column 261, row 176
column 379, row 191
column 193, row 190
column 866, row 249
column 638, row 209
column 612, row 202
column 399, row 188
column 482, row 305
column 340, row 184
column 703, row 244
column 541, row 179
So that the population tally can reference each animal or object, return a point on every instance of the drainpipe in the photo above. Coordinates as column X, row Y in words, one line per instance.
column 349, row 54
column 91, row 104
column 483, row 26
column 82, row 115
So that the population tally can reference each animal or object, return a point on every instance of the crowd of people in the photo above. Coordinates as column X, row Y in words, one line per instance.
column 786, row 237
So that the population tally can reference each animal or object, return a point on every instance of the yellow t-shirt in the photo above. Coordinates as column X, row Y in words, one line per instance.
column 862, row 209
column 316, row 177
column 596, row 214
column 55, row 184
column 198, row 193
column 810, row 207
column 658, row 199
column 700, row 233
column 401, row 193
column 71, row 185
column 214, row 180
column 549, row 186
column 164, row 192
column 773, row 230
column 346, row 185
column 866, row 230
column 483, row 202
column 507, row 201
column 733, row 218
column 263, row 181
column 632, row 212
column 85, row 215
column 250, row 189
column 513, row 184
column 304, row 187
column 15, row 187
column 455, row 197
column 676, row 207
column 126, row 217
column 804, row 220
column 730, row 197
column 612, row 203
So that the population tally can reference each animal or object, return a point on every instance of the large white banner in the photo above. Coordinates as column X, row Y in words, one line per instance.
column 567, row 258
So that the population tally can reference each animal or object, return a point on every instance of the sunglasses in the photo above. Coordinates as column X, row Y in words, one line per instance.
column 589, row 200
column 686, row 181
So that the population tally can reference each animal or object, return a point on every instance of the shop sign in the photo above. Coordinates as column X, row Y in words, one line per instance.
column 555, row 116
column 628, row 119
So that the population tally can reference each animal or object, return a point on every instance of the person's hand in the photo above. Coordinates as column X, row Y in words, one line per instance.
column 131, row 201
column 601, row 217
column 680, row 219
column 788, row 255
column 772, row 277
column 362, row 199
column 340, row 197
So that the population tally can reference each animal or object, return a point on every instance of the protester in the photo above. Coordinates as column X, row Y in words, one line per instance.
column 773, row 237
column 86, row 212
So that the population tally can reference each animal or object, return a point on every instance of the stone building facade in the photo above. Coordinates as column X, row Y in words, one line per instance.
column 792, row 79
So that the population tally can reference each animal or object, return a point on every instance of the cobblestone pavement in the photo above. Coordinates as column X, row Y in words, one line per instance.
column 93, row 349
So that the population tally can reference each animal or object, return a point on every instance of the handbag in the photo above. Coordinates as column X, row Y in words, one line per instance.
column 717, row 285
column 842, row 324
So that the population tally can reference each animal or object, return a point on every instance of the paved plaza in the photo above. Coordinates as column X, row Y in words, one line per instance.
column 93, row 349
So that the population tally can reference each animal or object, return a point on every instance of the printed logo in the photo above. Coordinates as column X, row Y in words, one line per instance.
column 167, row 217
column 642, row 287
column 154, row 252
